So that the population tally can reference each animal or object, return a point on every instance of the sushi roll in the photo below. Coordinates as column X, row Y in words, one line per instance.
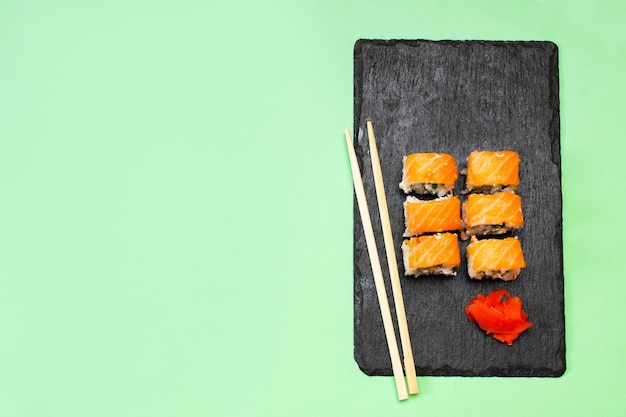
column 429, row 173
column 492, row 214
column 436, row 254
column 495, row 258
column 490, row 172
column 429, row 216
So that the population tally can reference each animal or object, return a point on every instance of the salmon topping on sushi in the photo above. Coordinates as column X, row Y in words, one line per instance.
column 492, row 171
column 429, row 216
column 431, row 254
column 495, row 258
column 429, row 173
column 492, row 214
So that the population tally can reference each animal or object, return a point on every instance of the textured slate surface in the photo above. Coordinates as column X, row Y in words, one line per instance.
column 455, row 97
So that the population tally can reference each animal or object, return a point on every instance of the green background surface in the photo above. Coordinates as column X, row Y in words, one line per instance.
column 176, row 207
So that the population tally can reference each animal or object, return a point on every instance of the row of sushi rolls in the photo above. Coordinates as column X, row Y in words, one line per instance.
column 489, row 216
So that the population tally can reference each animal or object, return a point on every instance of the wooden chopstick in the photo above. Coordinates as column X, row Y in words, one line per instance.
column 379, row 282
column 407, row 351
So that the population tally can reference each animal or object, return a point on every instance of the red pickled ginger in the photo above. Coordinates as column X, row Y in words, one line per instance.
column 505, row 320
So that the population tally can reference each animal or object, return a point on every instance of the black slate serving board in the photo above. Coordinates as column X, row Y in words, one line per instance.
column 456, row 97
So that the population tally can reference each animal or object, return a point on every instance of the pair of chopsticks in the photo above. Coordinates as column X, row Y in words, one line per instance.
column 409, row 364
